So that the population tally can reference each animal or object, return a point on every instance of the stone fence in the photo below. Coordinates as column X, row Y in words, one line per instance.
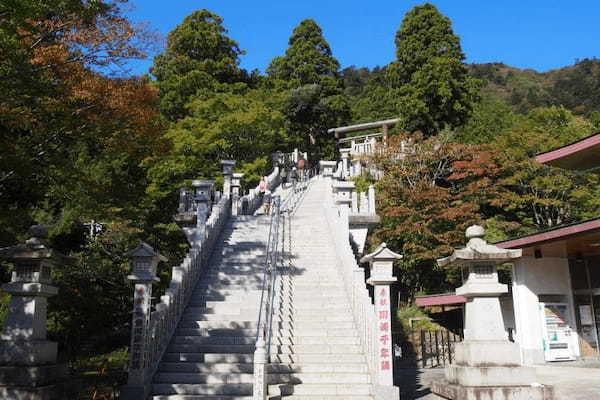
column 152, row 330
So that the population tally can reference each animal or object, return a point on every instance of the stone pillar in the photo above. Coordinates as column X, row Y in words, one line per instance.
column 342, row 192
column 486, row 365
column 372, row 210
column 28, row 368
column 381, row 263
column 345, row 153
column 145, row 260
column 354, row 202
column 236, row 184
column 260, row 371
column 356, row 167
column 364, row 203
column 227, row 166
column 327, row 168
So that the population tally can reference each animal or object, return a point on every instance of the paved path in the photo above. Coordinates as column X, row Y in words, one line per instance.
column 577, row 382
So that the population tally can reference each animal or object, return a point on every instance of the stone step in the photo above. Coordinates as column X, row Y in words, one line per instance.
column 199, row 378
column 228, row 286
column 357, row 367
column 308, row 324
column 224, row 308
column 302, row 340
column 219, row 368
column 220, row 340
column 319, row 397
column 300, row 331
column 216, row 332
column 318, row 358
column 202, row 293
column 218, row 324
column 320, row 349
column 244, row 389
column 314, row 318
column 334, row 389
column 234, row 358
column 213, row 348
column 219, row 317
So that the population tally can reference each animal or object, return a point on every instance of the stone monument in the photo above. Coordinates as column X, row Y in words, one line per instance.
column 381, row 262
column 487, row 366
column 28, row 361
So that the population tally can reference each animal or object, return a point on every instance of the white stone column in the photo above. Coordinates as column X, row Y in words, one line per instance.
column 236, row 183
column 381, row 262
column 227, row 166
column 372, row 208
column 260, row 371
column 345, row 154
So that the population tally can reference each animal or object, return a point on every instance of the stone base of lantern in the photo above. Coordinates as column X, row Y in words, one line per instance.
column 457, row 392
column 30, row 352
column 47, row 382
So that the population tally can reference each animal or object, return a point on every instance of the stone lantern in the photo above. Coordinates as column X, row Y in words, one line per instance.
column 381, row 263
column 145, row 261
column 236, row 184
column 486, row 364
column 227, row 166
column 28, row 366
column 342, row 192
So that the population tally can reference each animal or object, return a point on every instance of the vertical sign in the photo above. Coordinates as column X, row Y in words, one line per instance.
column 384, row 335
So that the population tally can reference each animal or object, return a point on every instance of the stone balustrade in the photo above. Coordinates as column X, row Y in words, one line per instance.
column 152, row 330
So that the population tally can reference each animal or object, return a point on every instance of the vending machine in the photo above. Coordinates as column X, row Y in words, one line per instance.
column 556, row 332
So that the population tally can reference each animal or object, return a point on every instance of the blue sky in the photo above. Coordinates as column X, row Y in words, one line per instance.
column 535, row 34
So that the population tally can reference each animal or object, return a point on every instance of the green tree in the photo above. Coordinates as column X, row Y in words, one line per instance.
column 200, row 59
column 315, row 102
column 430, row 84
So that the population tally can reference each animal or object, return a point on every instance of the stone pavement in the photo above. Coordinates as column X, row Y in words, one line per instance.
column 571, row 380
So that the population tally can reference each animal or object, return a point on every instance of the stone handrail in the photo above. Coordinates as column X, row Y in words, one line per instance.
column 168, row 312
column 354, row 281
column 249, row 203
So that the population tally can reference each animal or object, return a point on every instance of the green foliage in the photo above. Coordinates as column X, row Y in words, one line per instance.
column 489, row 119
column 421, row 320
column 315, row 101
column 429, row 82
column 362, row 182
column 200, row 58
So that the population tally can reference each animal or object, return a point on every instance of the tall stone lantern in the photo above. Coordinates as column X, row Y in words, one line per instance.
column 28, row 366
column 381, row 263
column 145, row 261
column 227, row 166
column 486, row 364
column 342, row 192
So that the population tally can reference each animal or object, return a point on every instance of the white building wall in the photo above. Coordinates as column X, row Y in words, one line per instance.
column 533, row 277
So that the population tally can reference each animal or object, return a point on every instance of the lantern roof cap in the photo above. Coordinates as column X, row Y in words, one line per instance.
column 202, row 182
column 145, row 250
column 34, row 248
column 228, row 162
column 478, row 249
column 382, row 253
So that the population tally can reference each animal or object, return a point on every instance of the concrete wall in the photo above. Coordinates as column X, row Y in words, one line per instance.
column 533, row 277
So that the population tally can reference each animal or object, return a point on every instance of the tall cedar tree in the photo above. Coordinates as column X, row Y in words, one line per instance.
column 309, row 72
column 430, row 84
column 199, row 59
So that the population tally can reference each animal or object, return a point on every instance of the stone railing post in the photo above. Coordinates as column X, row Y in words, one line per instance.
column 260, row 371
column 372, row 210
column 227, row 166
column 145, row 260
column 27, row 359
column 381, row 262
column 236, row 184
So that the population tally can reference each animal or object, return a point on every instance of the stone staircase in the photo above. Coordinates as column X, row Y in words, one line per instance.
column 316, row 351
column 211, row 354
